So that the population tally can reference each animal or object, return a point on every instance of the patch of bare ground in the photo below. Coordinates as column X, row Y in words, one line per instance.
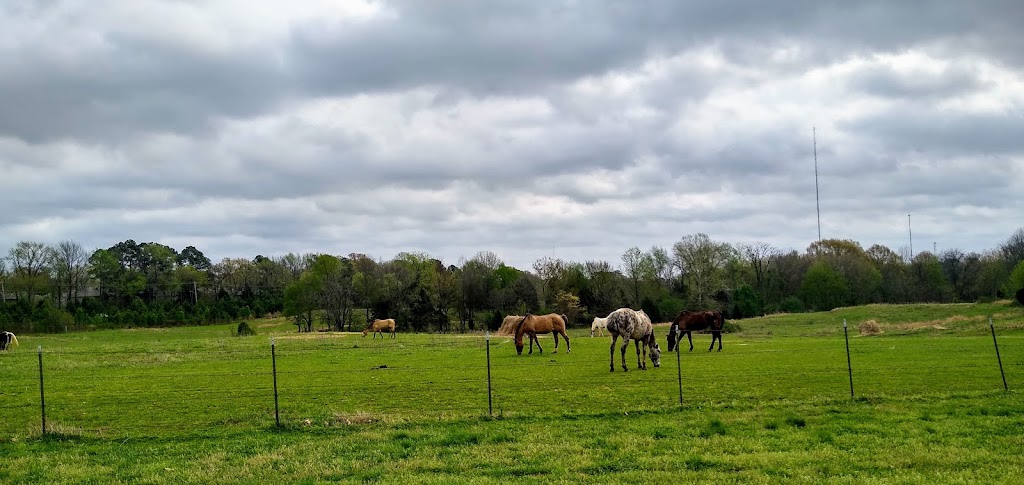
column 941, row 324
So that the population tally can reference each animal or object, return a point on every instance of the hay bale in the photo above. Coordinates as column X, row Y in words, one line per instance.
column 870, row 327
column 508, row 325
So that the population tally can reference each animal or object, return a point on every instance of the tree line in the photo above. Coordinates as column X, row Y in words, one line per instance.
column 64, row 287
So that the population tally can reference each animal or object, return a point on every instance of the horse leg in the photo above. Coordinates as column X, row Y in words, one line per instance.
column 719, row 335
column 555, row 334
column 689, row 337
column 566, row 337
column 640, row 364
column 612, row 351
column 535, row 339
column 625, row 343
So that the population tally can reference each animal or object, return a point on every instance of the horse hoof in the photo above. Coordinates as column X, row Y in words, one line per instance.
column 611, row 370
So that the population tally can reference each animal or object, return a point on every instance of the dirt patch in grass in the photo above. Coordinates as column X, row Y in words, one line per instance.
column 936, row 324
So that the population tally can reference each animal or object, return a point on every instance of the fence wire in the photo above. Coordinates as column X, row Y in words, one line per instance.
column 324, row 382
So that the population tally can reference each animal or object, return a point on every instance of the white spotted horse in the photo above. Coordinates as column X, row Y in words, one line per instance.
column 633, row 325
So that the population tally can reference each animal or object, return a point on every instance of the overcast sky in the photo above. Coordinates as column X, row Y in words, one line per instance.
column 573, row 129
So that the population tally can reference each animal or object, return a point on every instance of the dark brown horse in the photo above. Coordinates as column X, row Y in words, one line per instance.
column 534, row 324
column 688, row 321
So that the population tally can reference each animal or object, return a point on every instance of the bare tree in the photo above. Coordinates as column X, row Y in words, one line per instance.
column 30, row 263
column 1013, row 248
column 70, row 268
column 759, row 256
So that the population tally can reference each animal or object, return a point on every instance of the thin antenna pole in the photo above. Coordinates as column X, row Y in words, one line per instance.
column 817, row 199
column 911, row 234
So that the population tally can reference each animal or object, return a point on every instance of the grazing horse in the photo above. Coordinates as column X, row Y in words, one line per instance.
column 635, row 325
column 532, row 325
column 598, row 325
column 378, row 326
column 687, row 321
column 7, row 339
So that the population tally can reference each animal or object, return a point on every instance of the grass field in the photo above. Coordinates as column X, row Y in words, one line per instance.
column 196, row 404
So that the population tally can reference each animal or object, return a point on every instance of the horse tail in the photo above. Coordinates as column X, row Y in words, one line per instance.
column 14, row 340
column 565, row 320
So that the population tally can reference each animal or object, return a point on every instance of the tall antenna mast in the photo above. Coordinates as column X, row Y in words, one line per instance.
column 817, row 200
column 911, row 234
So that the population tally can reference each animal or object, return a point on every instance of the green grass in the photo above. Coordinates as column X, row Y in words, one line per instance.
column 196, row 405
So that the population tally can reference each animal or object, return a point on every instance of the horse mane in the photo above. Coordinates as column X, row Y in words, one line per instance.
column 520, row 325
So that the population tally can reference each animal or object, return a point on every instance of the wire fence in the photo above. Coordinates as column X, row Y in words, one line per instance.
column 333, row 383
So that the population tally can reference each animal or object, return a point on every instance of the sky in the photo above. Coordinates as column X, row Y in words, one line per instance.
column 531, row 129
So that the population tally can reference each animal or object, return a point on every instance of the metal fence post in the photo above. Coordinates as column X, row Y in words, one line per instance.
column 679, row 373
column 42, row 397
column 849, row 366
column 487, row 344
column 273, row 363
column 1000, row 359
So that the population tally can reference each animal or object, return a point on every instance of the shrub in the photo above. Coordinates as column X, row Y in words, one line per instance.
column 869, row 327
column 792, row 305
column 244, row 330
column 731, row 327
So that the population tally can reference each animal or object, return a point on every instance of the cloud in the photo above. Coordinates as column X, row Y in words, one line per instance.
column 528, row 128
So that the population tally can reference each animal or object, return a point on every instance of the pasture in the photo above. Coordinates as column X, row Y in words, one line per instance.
column 196, row 404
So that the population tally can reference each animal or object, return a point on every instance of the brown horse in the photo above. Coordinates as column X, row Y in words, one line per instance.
column 378, row 326
column 532, row 325
column 687, row 321
column 636, row 325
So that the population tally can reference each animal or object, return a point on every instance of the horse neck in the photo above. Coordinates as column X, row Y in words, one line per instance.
column 521, row 328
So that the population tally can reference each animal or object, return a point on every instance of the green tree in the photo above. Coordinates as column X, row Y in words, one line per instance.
column 1015, row 282
column 701, row 262
column 824, row 288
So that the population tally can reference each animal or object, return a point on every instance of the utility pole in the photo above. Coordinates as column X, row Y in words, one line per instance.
column 911, row 234
column 817, row 199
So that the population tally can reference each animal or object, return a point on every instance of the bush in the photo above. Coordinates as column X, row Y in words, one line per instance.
column 244, row 330
column 792, row 305
column 730, row 327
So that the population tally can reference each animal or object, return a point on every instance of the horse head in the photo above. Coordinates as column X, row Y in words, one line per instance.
column 519, row 335
column 671, row 337
column 655, row 351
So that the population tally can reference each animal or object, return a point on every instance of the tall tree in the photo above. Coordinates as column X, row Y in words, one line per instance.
column 636, row 267
column 70, row 268
column 30, row 266
column 1013, row 248
column 759, row 256
column 701, row 263
column 962, row 272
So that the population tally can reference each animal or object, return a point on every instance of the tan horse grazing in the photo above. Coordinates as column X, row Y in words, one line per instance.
column 378, row 326
column 636, row 325
column 534, row 324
